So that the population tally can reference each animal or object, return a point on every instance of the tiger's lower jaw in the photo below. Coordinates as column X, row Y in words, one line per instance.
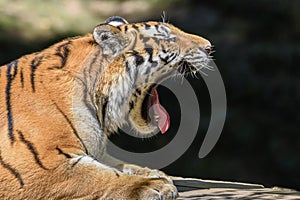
column 144, row 129
column 148, row 117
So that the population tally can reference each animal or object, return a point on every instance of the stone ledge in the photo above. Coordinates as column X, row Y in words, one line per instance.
column 190, row 188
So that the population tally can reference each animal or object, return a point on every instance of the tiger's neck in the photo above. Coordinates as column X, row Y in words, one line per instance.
column 101, row 99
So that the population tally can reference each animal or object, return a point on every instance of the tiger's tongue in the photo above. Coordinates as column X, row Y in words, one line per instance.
column 164, row 118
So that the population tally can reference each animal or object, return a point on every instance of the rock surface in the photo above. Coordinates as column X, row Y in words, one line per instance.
column 222, row 193
column 190, row 188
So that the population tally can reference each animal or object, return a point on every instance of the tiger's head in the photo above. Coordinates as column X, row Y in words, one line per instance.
column 140, row 57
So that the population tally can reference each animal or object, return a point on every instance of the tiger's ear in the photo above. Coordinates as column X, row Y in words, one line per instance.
column 116, row 21
column 110, row 38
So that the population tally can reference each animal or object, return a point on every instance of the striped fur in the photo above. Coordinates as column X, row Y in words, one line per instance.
column 58, row 106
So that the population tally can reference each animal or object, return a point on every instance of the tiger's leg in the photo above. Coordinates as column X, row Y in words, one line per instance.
column 82, row 177
column 132, row 169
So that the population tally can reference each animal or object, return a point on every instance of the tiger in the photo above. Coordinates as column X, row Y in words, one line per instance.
column 59, row 106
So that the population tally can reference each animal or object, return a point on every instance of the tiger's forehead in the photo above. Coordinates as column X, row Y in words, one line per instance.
column 155, row 31
column 146, row 26
column 141, row 25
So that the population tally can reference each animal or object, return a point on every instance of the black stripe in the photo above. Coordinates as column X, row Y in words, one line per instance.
column 163, row 48
column 147, row 26
column 172, row 57
column 125, row 29
column 165, row 60
column 127, row 66
column 22, row 78
column 91, row 108
column 77, row 161
column 62, row 51
column 10, row 78
column 138, row 59
column 138, row 90
column 88, row 71
column 135, row 27
column 104, row 106
column 131, row 105
column 144, row 39
column 92, row 42
column 72, row 127
column 63, row 153
column 117, row 173
column 12, row 170
column 149, row 50
column 34, row 65
column 173, row 39
column 134, row 41
column 32, row 149
column 96, row 55
column 154, row 64
column 156, row 40
column 157, row 28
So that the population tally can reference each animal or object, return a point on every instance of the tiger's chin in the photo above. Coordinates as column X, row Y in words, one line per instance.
column 149, row 117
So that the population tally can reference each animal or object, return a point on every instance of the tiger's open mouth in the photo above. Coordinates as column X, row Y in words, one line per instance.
column 153, row 112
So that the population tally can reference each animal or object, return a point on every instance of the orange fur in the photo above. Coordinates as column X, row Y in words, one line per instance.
column 46, row 152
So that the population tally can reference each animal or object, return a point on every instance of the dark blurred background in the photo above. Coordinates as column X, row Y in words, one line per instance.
column 257, row 52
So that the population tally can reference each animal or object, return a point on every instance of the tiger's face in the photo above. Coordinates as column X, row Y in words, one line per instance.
column 149, row 53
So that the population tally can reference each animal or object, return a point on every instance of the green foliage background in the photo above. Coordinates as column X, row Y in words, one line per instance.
column 257, row 51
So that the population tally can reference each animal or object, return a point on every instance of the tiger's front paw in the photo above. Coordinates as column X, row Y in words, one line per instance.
column 144, row 171
column 154, row 189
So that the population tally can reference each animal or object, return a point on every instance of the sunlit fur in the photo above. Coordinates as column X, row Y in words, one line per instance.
column 58, row 106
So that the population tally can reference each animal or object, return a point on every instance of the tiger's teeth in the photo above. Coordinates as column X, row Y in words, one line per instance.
column 156, row 118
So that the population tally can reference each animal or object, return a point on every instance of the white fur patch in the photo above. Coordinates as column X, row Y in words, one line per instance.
column 115, row 23
column 127, row 171
column 87, row 160
column 118, row 105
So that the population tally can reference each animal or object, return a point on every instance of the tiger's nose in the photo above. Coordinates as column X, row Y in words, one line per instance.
column 208, row 49
column 204, row 44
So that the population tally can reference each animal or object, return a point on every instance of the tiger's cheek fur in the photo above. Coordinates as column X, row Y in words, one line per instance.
column 113, row 95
